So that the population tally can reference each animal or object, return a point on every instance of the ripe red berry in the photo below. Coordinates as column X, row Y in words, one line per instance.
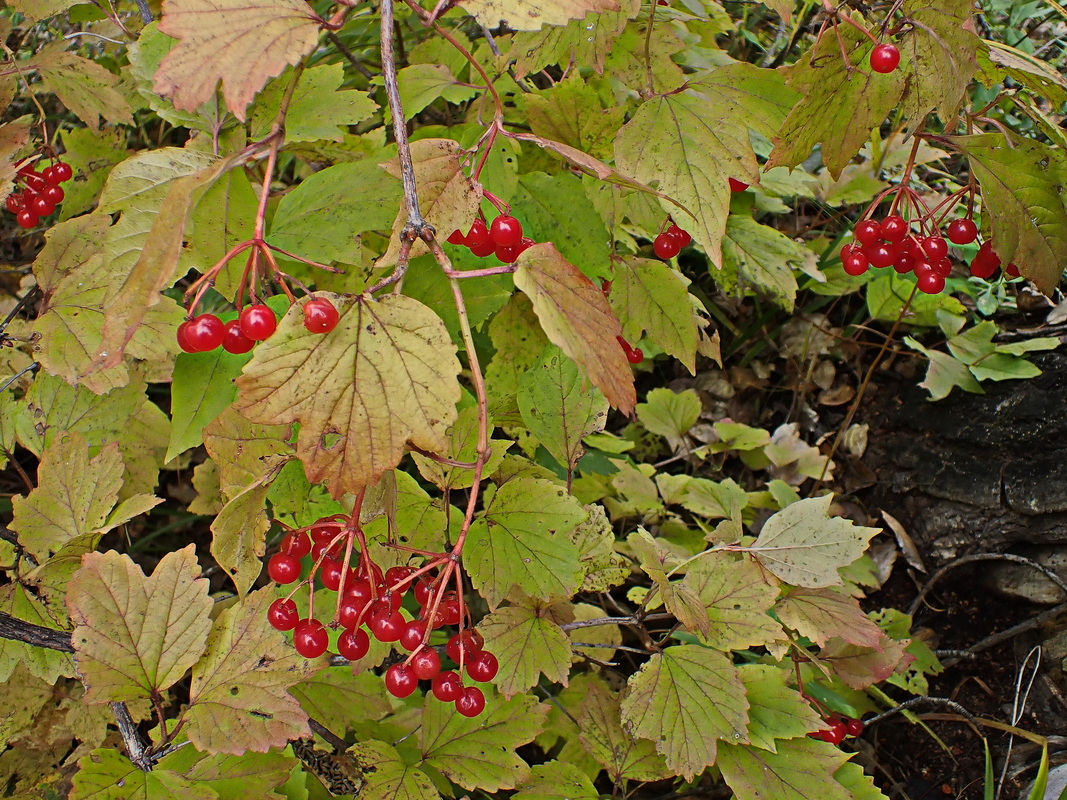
column 511, row 253
column 258, row 322
column 320, row 316
column 633, row 354
column 1012, row 271
column 985, row 261
column 905, row 263
column 962, row 231
column 283, row 568
column 296, row 544
column 930, row 281
column 448, row 611
column 27, row 219
column 893, row 228
column 478, row 236
column 310, row 638
column 413, row 634
column 15, row 202
column 41, row 205
column 233, row 341
column 400, row 681
column 885, row 58
column 506, row 231
column 423, row 591
column 935, row 247
column 426, row 664
column 470, row 642
column 360, row 589
column 457, row 237
column 447, row 687
column 350, row 612
column 353, row 644
column 182, row 335
column 61, row 171
column 386, row 625
column 483, row 666
column 881, row 254
column 683, row 238
column 330, row 573
column 854, row 727
column 34, row 181
column 471, row 703
column 867, row 231
column 736, row 185
column 282, row 615
column 943, row 267
column 53, row 194
column 666, row 246
column 205, row 332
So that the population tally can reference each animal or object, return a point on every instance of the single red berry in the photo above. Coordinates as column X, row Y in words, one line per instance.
column 1012, row 271
column 839, row 729
column 423, row 591
column 935, row 247
column 605, row 287
column 282, row 615
column 350, row 613
column 394, row 575
column 182, row 335
column 447, row 686
column 283, row 568
column 296, row 544
column 479, row 235
column 867, row 231
column 258, row 322
column 360, row 589
column 457, row 237
column 413, row 634
column 666, row 246
column 470, row 642
column 962, row 231
column 943, row 267
column 736, row 185
column 506, row 231
column 320, row 316
column 233, row 341
column 449, row 612
column 987, row 259
column 885, row 58
column 27, row 168
column 893, row 228
column 385, row 625
column 53, row 194
column 426, row 664
column 34, row 181
column 42, row 206
column 905, row 263
column 400, row 681
column 205, row 332
column 50, row 177
column 930, row 281
column 881, row 254
column 62, row 170
column 15, row 202
column 27, row 219
column 683, row 238
column 471, row 703
column 353, row 644
column 633, row 354
column 310, row 638
column 483, row 666
column 483, row 249
column 330, row 573
column 855, row 265
column 854, row 727
column 510, row 254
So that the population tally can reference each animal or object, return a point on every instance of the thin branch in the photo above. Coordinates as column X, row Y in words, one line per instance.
column 342, row 48
column 146, row 12
column 400, row 133
column 320, row 730
column 131, row 737
column 34, row 635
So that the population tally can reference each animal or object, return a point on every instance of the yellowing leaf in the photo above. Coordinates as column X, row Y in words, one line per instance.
column 244, row 451
column 388, row 776
column 792, row 773
column 860, row 667
column 821, row 614
column 776, row 710
column 463, row 447
column 557, row 780
column 761, row 258
column 239, row 533
column 82, row 85
column 577, row 318
column 586, row 41
column 331, row 695
column 480, row 753
column 137, row 636
column 385, row 376
column 521, row 540
column 649, row 297
column 242, row 43
column 528, row 642
column 529, row 15
column 319, row 109
column 48, row 665
column 108, row 775
column 804, row 546
column 620, row 753
column 238, row 699
column 685, row 699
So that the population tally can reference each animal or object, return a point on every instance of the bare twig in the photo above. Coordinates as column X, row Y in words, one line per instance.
column 919, row 702
column 34, row 635
column 959, row 562
column 320, row 730
column 342, row 48
column 396, row 108
column 146, row 12
column 131, row 737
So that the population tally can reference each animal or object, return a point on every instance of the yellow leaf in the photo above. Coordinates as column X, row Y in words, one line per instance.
column 530, row 15
column 83, row 86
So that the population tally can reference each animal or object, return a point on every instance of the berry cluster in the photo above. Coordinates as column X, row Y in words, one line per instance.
column 670, row 242
column 890, row 243
column 40, row 194
column 841, row 728
column 369, row 604
column 503, row 238
column 254, row 324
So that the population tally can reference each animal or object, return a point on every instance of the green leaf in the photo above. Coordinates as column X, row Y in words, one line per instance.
column 394, row 350
column 239, row 533
column 238, row 699
column 776, row 710
column 480, row 753
column 571, row 112
column 136, row 636
column 1021, row 180
column 519, row 342
column 685, row 699
column 422, row 84
column 557, row 780
column 887, row 296
column 427, row 283
column 388, row 776
column 48, row 665
column 620, row 753
column 559, row 407
column 670, row 414
column 202, row 388
column 998, row 60
column 331, row 695
column 759, row 257
column 842, row 103
column 528, row 642
column 582, row 41
column 91, row 155
column 803, row 545
column 233, row 777
column 577, row 318
column 858, row 784
column 82, row 85
column 243, row 451
column 320, row 109
column 529, row 15
column 797, row 770
column 737, row 596
column 521, row 540
column 648, row 297
column 462, row 446
column 223, row 218
column 821, row 614
column 107, row 775
column 944, row 373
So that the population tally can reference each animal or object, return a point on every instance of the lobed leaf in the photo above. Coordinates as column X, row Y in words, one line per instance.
column 528, row 642
column 648, row 297
column 788, row 773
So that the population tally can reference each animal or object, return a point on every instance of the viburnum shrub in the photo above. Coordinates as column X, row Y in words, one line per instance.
column 349, row 299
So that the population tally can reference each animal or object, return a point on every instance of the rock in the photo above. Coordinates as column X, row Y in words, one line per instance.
column 1022, row 582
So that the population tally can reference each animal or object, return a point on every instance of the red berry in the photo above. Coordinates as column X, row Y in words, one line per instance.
column 447, row 687
column 310, row 638
column 666, row 246
column 1012, row 271
column 354, row 644
column 449, row 612
column 54, row 194
column 258, row 322
column 413, row 634
column 400, row 681
column 330, row 573
column 282, row 615
column 506, row 231
column 867, row 231
column 457, row 237
column 935, row 247
column 633, row 354
column 905, row 263
column 885, row 58
column 15, row 202
column 985, row 261
column 962, row 231
column 34, row 181
column 893, row 228
column 386, row 625
column 182, row 335
column 62, row 171
column 320, row 316
column 350, row 612
column 283, row 568
column 511, row 253
column 854, row 727
column 930, row 282
column 296, row 544
column 360, row 589
column 204, row 333
column 683, row 238
column 483, row 666
column 736, row 185
column 470, row 642
column 394, row 575
column 233, row 341
column 478, row 236
column 881, row 255
column 423, row 591
column 42, row 206
column 471, row 703
column 426, row 664
column 943, row 267
column 483, row 249
column 27, row 219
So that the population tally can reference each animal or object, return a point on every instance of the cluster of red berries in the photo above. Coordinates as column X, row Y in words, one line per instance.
column 370, row 606
column 635, row 355
column 841, row 728
column 890, row 243
column 670, row 242
column 885, row 58
column 255, row 323
column 503, row 238
column 41, row 192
